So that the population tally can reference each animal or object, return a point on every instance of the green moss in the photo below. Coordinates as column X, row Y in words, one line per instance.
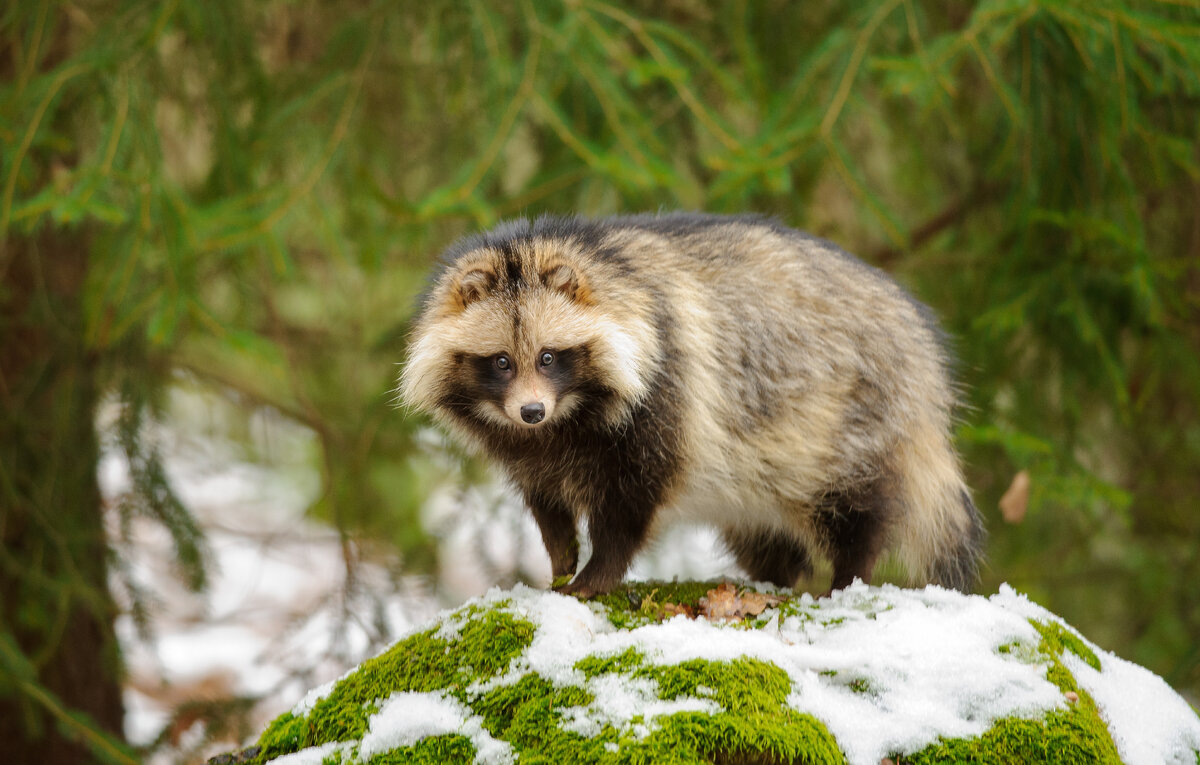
column 487, row 642
column 560, row 581
column 754, row 726
column 1066, row 737
column 285, row 734
column 633, row 604
column 754, row 721
column 860, row 685
column 624, row 662
column 435, row 750
column 527, row 714
column 795, row 608
column 691, row 737
column 1057, row 638
column 749, row 686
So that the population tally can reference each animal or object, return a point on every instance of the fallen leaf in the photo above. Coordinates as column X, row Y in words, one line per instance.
column 721, row 602
column 1015, row 501
column 724, row 602
column 754, row 603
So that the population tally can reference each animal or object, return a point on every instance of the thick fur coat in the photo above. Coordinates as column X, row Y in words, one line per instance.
column 727, row 370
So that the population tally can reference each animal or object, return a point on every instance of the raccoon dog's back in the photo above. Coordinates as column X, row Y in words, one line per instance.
column 729, row 370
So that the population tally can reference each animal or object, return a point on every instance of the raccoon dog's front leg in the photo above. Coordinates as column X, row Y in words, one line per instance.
column 557, row 524
column 617, row 528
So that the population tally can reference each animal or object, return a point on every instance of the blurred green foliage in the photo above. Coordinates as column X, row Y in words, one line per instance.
column 264, row 184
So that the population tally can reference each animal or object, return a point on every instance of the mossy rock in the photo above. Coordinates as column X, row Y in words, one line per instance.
column 642, row 676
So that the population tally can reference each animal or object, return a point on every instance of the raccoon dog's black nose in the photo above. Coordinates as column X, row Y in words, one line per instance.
column 533, row 413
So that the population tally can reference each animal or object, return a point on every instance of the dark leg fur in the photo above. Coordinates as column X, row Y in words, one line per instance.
column 768, row 556
column 958, row 569
column 557, row 525
column 855, row 524
column 617, row 529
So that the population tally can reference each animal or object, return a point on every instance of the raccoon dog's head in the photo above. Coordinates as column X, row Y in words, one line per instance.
column 525, row 333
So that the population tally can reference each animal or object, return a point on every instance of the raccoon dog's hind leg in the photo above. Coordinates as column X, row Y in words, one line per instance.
column 854, row 522
column 768, row 556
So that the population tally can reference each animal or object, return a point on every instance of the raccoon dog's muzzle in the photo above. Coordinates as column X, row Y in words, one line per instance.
column 529, row 405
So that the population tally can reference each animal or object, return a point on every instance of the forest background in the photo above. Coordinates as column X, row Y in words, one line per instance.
column 245, row 196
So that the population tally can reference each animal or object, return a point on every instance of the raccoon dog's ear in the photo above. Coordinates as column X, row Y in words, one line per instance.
column 474, row 285
column 562, row 278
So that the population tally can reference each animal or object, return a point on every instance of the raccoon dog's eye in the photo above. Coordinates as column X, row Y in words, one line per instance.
column 547, row 358
column 502, row 362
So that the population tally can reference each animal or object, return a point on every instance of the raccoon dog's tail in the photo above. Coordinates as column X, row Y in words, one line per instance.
column 941, row 535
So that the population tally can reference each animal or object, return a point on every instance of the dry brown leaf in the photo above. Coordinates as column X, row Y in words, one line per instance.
column 724, row 602
column 1015, row 501
column 754, row 603
column 721, row 602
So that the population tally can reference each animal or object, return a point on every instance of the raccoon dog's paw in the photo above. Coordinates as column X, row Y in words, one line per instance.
column 578, row 589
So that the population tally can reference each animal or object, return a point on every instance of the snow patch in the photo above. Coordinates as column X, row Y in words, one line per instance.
column 406, row 718
column 620, row 700
column 1149, row 722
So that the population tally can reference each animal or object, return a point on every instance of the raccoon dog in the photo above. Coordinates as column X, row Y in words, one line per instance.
column 727, row 370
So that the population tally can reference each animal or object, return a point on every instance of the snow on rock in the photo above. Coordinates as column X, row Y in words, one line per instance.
column 407, row 717
column 625, row 703
column 1149, row 722
column 866, row 674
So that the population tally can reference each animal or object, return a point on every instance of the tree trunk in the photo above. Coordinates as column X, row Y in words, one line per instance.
column 54, row 596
